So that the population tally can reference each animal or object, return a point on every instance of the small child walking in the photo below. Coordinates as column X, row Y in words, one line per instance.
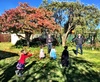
column 65, row 57
column 53, row 53
column 21, row 62
column 42, row 54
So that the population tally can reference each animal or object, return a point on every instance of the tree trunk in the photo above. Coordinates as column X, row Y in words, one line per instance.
column 63, row 40
column 64, row 37
column 27, row 37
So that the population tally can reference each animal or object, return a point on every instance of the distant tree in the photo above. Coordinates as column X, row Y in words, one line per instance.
column 75, row 15
column 27, row 20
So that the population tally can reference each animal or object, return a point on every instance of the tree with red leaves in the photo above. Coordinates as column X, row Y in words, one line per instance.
column 27, row 20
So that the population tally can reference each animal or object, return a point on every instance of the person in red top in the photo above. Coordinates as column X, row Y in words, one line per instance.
column 21, row 62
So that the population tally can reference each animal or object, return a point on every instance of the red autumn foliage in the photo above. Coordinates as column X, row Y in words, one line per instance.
column 27, row 19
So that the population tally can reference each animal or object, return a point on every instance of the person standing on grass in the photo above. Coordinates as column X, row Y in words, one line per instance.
column 53, row 53
column 21, row 62
column 79, row 41
column 49, row 41
column 42, row 54
column 65, row 57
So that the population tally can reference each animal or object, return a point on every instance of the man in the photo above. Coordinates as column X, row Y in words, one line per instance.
column 79, row 41
column 49, row 41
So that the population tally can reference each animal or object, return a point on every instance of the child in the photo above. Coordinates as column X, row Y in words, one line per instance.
column 42, row 55
column 65, row 57
column 53, row 53
column 21, row 62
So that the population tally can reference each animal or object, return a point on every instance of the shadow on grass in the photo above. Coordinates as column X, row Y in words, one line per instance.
column 46, row 70
column 8, row 73
column 40, row 72
column 75, row 52
column 81, row 71
column 5, row 54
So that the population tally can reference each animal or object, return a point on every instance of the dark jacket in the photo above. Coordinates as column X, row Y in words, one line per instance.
column 78, row 40
column 49, row 40
column 65, row 58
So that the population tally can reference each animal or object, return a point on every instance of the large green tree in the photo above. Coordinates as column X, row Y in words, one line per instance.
column 75, row 15
column 27, row 20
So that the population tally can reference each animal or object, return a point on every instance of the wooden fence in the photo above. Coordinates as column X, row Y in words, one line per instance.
column 5, row 37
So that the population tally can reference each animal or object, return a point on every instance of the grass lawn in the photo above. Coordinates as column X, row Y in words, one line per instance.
column 82, row 68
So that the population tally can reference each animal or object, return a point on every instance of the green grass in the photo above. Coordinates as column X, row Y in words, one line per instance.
column 82, row 68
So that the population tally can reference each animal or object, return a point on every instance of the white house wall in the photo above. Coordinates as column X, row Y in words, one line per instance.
column 15, row 38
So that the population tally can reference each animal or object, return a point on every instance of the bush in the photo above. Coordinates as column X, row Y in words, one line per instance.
column 70, row 44
column 21, row 43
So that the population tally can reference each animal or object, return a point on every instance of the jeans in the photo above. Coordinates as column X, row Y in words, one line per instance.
column 49, row 47
column 79, row 46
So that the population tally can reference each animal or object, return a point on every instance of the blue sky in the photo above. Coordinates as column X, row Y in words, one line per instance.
column 8, row 4
column 95, row 2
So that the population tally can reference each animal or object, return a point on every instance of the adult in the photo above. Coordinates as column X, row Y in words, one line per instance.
column 79, row 41
column 49, row 41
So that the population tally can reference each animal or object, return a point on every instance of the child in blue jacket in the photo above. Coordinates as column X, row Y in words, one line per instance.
column 53, row 53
